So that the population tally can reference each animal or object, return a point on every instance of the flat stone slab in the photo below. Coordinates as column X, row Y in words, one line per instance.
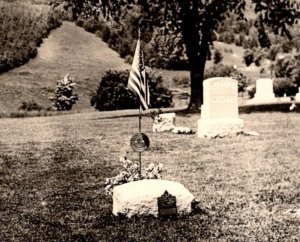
column 140, row 197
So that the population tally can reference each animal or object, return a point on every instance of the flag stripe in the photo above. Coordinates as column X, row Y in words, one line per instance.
column 137, row 79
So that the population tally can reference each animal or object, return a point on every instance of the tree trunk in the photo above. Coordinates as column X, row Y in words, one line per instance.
column 196, row 50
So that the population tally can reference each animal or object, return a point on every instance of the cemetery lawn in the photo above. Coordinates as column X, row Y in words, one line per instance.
column 52, row 172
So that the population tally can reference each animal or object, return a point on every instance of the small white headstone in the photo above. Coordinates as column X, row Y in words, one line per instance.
column 140, row 197
column 219, row 112
column 164, row 122
column 264, row 92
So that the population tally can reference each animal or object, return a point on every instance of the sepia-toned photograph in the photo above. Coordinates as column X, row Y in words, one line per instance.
column 141, row 121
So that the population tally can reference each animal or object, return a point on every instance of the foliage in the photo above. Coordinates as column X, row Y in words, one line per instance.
column 181, row 81
column 272, row 52
column 248, row 57
column 23, row 25
column 251, row 91
column 30, row 106
column 113, row 94
column 196, row 22
column 221, row 70
column 288, row 66
column 64, row 99
column 131, row 173
column 217, row 56
column 227, row 37
column 258, row 57
column 284, row 86
column 166, row 50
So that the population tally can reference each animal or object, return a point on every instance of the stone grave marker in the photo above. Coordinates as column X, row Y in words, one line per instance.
column 164, row 122
column 297, row 97
column 264, row 92
column 149, row 197
column 219, row 112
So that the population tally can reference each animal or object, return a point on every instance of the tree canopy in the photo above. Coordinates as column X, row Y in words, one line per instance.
column 197, row 20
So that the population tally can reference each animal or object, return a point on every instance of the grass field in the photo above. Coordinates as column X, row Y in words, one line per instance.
column 52, row 172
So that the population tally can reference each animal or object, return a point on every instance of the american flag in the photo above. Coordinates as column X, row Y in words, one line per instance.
column 137, row 78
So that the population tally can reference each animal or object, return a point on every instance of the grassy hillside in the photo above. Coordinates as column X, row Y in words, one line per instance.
column 69, row 49
column 23, row 25
column 53, row 171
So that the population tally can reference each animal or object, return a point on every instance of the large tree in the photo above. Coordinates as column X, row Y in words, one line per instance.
column 197, row 20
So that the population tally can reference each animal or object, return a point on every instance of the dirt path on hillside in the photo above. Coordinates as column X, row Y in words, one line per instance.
column 68, row 49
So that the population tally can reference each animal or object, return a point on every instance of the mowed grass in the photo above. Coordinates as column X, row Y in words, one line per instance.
column 52, row 172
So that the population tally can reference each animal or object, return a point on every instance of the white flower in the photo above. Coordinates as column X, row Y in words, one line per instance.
column 150, row 167
column 107, row 181
column 293, row 106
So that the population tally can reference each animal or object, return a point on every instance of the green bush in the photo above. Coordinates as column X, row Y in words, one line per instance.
column 282, row 86
column 248, row 57
column 113, row 94
column 91, row 25
column 183, row 81
column 288, row 66
column 217, row 56
column 221, row 70
column 30, row 106
column 63, row 98
column 227, row 37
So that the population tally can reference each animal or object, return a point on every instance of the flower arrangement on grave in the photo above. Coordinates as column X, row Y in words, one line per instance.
column 131, row 173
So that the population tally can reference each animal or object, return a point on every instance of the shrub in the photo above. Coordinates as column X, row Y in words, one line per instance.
column 272, row 52
column 183, row 81
column 131, row 173
column 248, row 57
column 221, row 70
column 251, row 91
column 288, row 66
column 30, row 106
column 284, row 86
column 239, row 40
column 91, row 25
column 227, row 37
column 259, row 56
column 64, row 99
column 217, row 56
column 166, row 50
column 113, row 94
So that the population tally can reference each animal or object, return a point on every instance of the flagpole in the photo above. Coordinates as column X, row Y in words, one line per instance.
column 140, row 122
column 140, row 130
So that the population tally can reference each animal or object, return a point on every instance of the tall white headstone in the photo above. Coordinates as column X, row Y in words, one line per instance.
column 297, row 97
column 219, row 112
column 264, row 92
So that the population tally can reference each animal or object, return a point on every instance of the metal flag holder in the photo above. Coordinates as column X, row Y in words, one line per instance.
column 140, row 142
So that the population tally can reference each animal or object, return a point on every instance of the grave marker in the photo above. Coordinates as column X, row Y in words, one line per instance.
column 219, row 112
column 264, row 92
